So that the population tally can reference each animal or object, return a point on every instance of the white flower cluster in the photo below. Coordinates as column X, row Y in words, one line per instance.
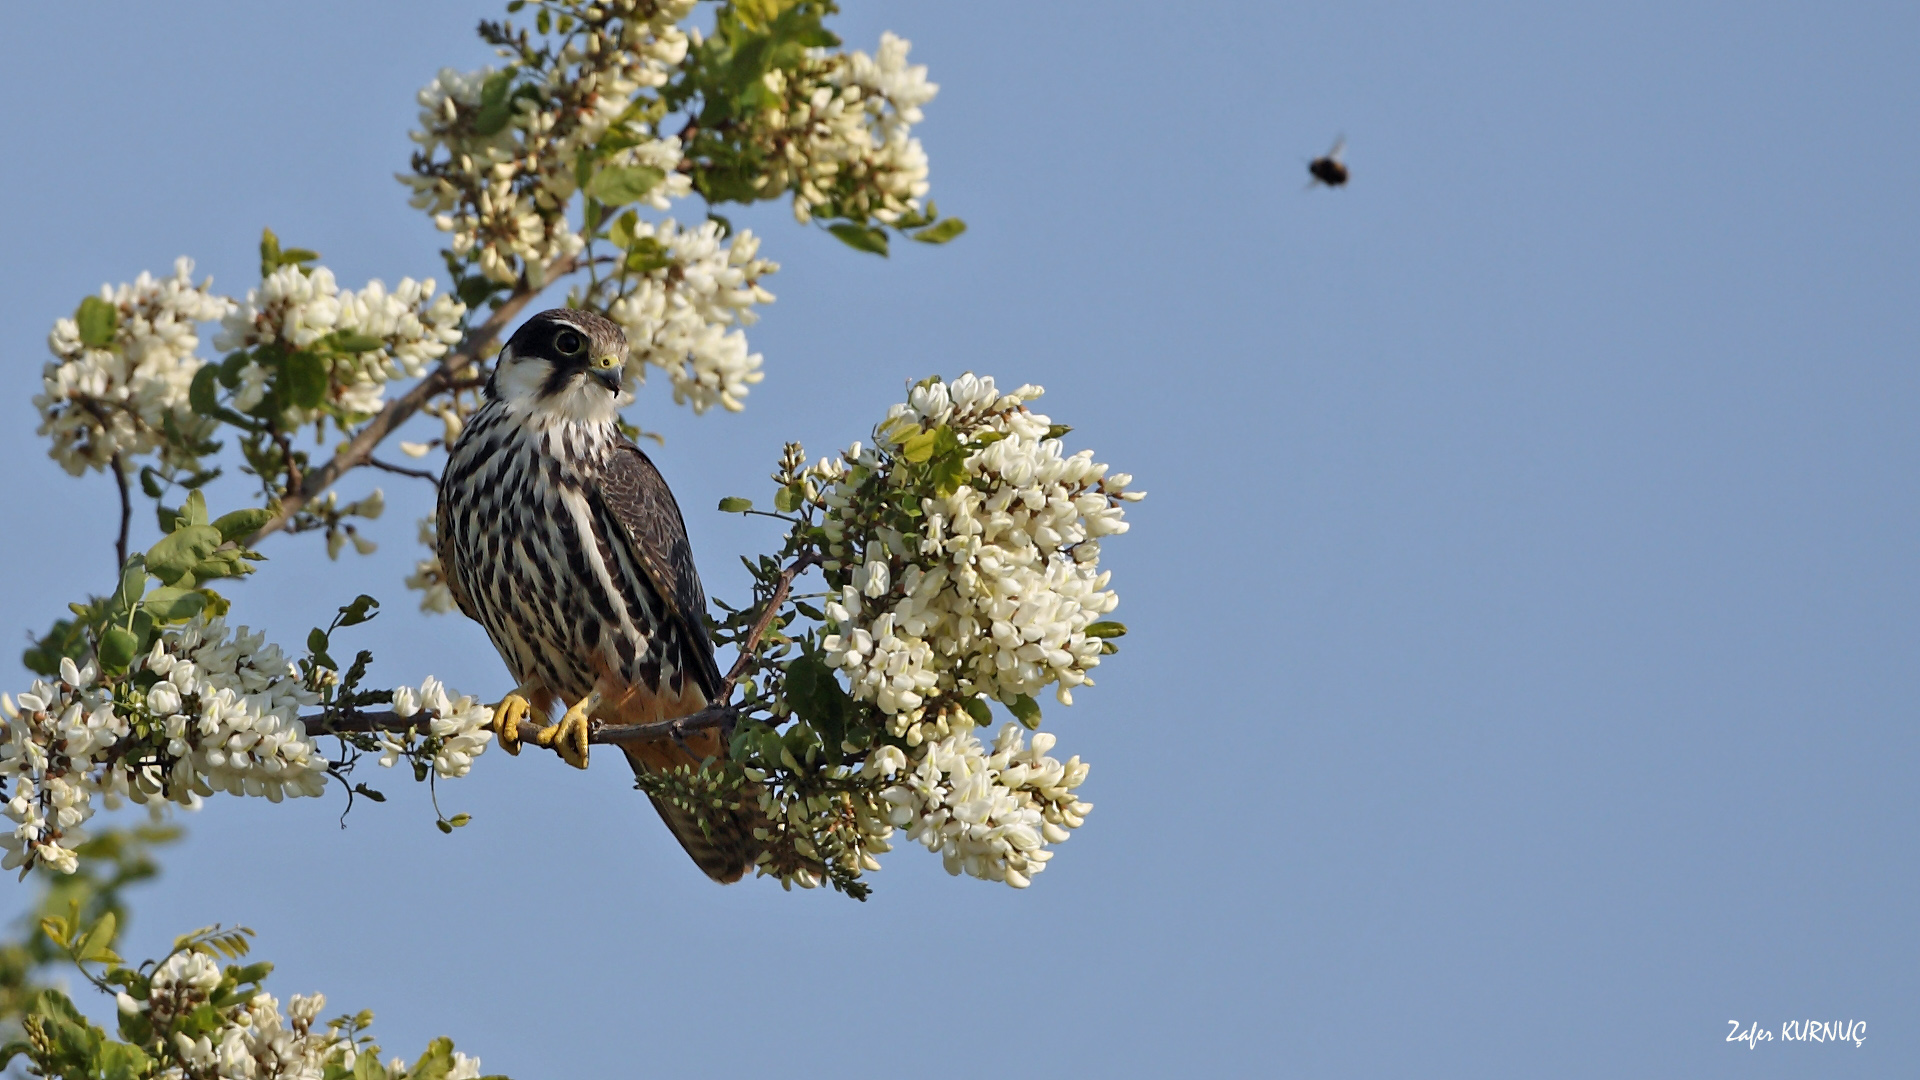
column 297, row 308
column 503, row 190
column 255, row 1041
column 429, row 578
column 846, row 141
column 458, row 729
column 994, row 593
column 223, row 715
column 989, row 813
column 98, row 402
column 229, row 706
column 53, row 736
column 682, row 317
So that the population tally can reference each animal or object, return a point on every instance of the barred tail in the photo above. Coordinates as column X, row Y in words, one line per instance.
column 720, row 842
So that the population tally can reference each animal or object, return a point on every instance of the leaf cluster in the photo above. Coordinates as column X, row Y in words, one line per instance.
column 122, row 625
column 57, row 1040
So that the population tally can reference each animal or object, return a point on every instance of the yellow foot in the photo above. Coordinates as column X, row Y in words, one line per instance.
column 506, row 719
column 568, row 738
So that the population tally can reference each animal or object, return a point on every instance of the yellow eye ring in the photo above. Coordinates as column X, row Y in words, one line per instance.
column 606, row 363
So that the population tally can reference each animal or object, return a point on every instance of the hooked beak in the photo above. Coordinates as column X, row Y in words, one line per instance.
column 607, row 369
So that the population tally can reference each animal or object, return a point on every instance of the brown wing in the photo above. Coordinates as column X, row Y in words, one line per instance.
column 443, row 541
column 636, row 496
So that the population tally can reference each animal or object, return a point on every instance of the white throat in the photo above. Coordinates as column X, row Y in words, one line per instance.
column 583, row 404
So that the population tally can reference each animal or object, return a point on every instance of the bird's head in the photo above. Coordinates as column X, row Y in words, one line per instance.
column 564, row 364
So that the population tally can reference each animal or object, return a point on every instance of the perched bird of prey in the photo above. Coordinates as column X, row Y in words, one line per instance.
column 560, row 537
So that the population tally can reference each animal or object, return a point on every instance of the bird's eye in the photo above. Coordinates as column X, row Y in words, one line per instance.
column 568, row 343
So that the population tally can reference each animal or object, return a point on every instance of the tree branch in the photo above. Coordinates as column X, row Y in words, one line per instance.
column 126, row 510
column 385, row 466
column 401, row 409
column 367, row 723
column 774, row 600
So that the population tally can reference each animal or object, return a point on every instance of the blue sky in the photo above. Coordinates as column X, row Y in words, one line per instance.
column 1522, row 674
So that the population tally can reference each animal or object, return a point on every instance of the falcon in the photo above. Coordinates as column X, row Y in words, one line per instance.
column 561, row 538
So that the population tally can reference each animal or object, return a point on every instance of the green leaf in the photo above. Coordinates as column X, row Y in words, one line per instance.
column 135, row 1028
column 57, row 929
column 269, row 252
column 1025, row 711
column 119, row 1061
column 496, row 108
column 861, row 237
column 942, row 232
column 203, row 393
column 352, row 341
column 117, row 648
column 133, row 585
column 66, row 638
column 919, row 447
column 99, row 940
column 252, row 973
column 195, row 510
column 459, row 820
column 621, row 232
column 316, row 640
column 169, row 605
column 647, row 255
column 364, row 607
column 368, row 1067
column 618, row 185
column 444, row 826
column 977, row 708
column 1107, row 629
column 241, row 524
column 733, row 504
column 179, row 552
column 303, row 380
column 817, row 698
column 436, row 1063
column 97, row 320
column 1059, row 431
column 362, row 789
column 789, row 498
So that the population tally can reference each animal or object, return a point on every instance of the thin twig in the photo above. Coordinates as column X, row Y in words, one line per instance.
column 126, row 511
column 398, row 411
column 421, row 474
column 774, row 600
column 285, row 443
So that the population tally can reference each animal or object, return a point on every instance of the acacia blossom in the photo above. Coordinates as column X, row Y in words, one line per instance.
column 682, row 316
column 500, row 183
column 298, row 308
column 994, row 594
column 844, row 133
column 221, row 714
column 99, row 401
column 989, row 813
